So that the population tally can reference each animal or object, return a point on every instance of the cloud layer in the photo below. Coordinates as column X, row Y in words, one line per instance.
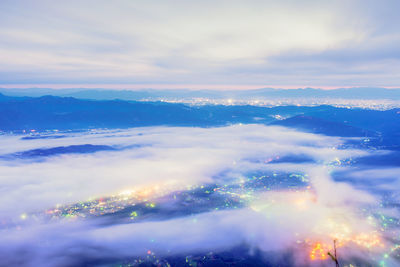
column 178, row 156
column 175, row 159
column 285, row 43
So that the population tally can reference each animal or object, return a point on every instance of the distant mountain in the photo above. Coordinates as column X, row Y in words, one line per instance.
column 53, row 151
column 264, row 93
column 67, row 113
column 321, row 126
column 49, row 112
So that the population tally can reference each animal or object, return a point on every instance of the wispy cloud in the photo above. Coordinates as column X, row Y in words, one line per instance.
column 227, row 42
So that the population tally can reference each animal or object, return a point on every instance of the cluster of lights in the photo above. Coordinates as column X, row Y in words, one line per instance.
column 237, row 194
column 377, row 104
column 319, row 250
column 112, row 204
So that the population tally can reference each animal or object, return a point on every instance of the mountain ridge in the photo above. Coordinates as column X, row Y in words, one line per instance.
column 366, row 93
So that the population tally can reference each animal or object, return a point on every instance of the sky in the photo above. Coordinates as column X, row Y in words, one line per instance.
column 199, row 44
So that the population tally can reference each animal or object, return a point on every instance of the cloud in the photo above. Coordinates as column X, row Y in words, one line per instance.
column 175, row 159
column 375, row 179
column 182, row 156
column 204, row 42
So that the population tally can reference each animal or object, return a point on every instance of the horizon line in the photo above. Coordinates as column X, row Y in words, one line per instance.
column 222, row 87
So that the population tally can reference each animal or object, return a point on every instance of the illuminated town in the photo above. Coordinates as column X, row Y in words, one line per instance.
column 157, row 202
column 376, row 104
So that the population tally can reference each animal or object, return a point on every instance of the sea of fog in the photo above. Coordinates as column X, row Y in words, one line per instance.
column 242, row 194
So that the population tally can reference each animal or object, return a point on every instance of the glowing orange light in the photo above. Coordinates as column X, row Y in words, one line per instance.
column 318, row 252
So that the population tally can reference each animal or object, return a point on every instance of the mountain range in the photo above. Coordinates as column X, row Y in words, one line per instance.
column 68, row 113
column 264, row 93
